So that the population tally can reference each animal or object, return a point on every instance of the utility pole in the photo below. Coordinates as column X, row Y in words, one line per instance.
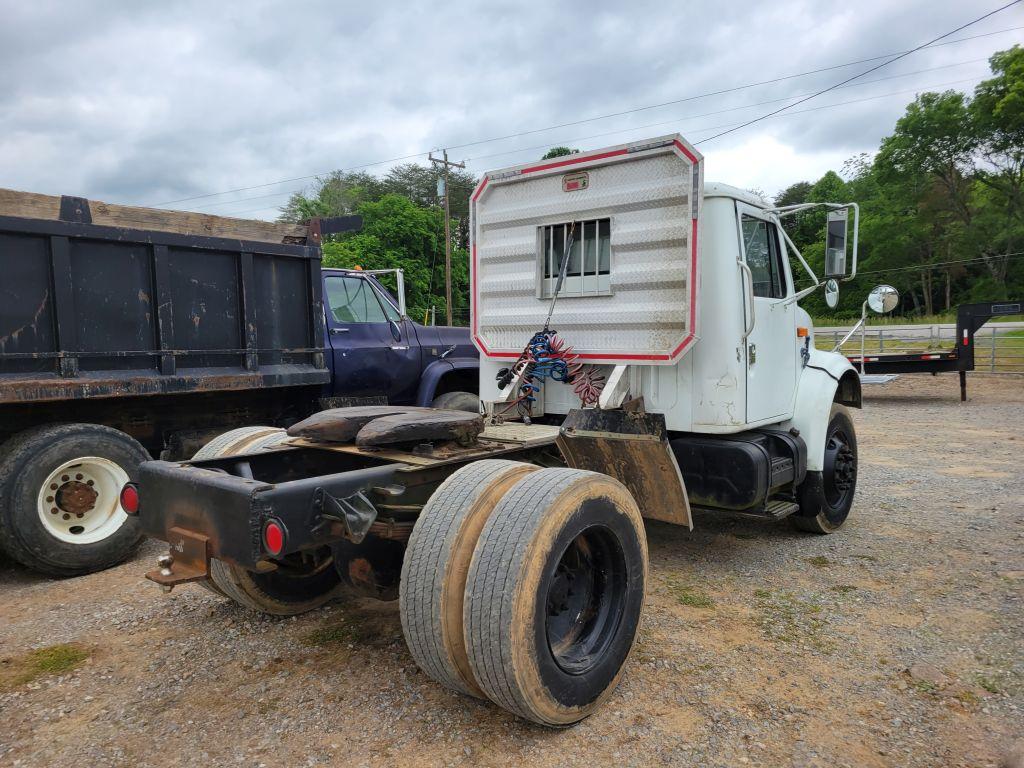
column 446, row 164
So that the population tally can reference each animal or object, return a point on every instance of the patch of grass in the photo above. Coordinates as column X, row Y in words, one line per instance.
column 786, row 618
column 987, row 684
column 688, row 595
column 844, row 589
column 332, row 635
column 52, row 660
column 924, row 686
column 818, row 561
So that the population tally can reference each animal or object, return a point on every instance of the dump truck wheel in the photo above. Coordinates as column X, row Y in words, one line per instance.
column 554, row 594
column 458, row 401
column 436, row 563
column 288, row 590
column 60, row 485
column 826, row 497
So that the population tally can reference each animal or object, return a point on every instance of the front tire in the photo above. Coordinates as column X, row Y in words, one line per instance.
column 826, row 497
column 554, row 595
column 59, row 498
column 457, row 401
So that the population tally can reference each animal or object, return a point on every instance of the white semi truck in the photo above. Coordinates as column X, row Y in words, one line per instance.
column 642, row 355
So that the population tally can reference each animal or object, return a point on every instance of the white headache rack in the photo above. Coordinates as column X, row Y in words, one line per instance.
column 629, row 218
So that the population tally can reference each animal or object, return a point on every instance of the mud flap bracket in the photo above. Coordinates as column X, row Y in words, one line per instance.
column 631, row 446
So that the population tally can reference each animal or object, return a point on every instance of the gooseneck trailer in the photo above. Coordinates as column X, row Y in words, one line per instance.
column 960, row 358
column 643, row 355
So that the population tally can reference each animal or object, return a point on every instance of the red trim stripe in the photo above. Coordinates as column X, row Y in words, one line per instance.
column 480, row 188
column 574, row 160
column 685, row 151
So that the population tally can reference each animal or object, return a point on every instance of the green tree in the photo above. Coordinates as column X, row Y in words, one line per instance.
column 998, row 114
column 559, row 152
column 397, row 233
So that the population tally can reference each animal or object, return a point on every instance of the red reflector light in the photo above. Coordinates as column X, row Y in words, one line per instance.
column 130, row 499
column 273, row 537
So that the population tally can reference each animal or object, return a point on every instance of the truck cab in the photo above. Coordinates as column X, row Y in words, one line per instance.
column 676, row 294
column 377, row 353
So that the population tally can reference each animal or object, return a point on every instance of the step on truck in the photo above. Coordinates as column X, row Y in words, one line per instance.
column 130, row 333
column 643, row 356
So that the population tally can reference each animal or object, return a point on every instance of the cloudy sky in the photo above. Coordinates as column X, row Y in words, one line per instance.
column 151, row 103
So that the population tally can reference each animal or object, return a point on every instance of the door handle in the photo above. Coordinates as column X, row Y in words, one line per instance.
column 752, row 354
column 339, row 330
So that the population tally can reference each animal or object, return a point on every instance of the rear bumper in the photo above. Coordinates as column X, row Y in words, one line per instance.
column 205, row 513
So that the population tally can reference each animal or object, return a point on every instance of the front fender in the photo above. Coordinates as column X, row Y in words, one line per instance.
column 827, row 378
column 436, row 371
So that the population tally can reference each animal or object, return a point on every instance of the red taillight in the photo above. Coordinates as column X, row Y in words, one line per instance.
column 130, row 499
column 273, row 537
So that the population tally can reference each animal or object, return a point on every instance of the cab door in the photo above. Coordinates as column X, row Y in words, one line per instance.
column 772, row 346
column 374, row 352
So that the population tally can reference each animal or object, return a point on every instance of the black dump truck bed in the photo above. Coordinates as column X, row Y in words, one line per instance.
column 109, row 301
column 127, row 333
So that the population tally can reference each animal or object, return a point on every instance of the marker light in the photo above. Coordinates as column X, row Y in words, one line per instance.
column 130, row 499
column 273, row 537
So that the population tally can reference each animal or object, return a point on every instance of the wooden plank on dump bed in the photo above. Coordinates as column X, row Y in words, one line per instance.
column 31, row 205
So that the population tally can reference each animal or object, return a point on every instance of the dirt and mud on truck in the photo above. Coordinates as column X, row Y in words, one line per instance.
column 682, row 375
column 128, row 333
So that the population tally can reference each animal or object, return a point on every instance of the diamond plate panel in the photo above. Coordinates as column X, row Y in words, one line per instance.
column 649, row 314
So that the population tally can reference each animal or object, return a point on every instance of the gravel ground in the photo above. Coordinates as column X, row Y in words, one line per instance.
column 896, row 642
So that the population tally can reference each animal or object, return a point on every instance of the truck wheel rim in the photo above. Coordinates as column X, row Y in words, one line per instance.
column 78, row 503
column 585, row 600
column 840, row 468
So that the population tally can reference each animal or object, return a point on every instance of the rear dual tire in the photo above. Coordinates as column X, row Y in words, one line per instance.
column 552, row 599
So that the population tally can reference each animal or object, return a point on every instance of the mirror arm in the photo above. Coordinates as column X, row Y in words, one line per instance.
column 856, row 229
column 800, row 256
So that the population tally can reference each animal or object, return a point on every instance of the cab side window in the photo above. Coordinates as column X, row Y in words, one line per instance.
column 352, row 300
column 764, row 257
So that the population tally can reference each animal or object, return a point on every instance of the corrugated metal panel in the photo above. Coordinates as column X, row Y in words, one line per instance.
column 649, row 312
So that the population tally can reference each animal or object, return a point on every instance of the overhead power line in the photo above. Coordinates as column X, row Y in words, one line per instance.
column 861, row 74
column 620, row 113
column 690, row 131
column 674, row 120
column 939, row 264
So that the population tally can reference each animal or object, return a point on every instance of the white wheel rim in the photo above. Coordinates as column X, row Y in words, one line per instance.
column 80, row 501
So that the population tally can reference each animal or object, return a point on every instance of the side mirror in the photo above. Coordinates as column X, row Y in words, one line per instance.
column 883, row 299
column 835, row 244
column 832, row 293
column 396, row 332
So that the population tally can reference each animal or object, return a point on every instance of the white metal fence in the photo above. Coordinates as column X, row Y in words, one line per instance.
column 998, row 347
